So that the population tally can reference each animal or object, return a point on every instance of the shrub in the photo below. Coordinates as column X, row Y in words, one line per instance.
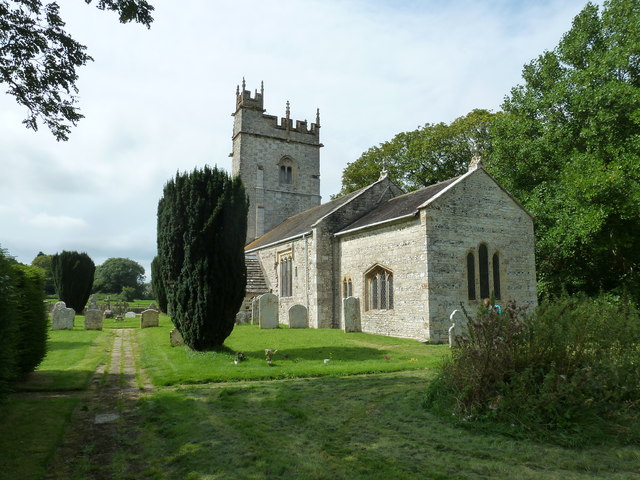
column 73, row 277
column 8, row 324
column 32, row 319
column 569, row 372
column 202, row 223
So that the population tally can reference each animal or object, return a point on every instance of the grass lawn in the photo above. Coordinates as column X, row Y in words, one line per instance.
column 357, row 427
column 301, row 353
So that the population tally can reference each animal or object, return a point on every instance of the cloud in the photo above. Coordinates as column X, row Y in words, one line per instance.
column 58, row 222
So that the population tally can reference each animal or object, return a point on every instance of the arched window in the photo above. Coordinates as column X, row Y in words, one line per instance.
column 379, row 289
column 347, row 287
column 471, row 276
column 287, row 171
column 496, row 275
column 483, row 264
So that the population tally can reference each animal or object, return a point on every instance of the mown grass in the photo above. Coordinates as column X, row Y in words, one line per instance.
column 357, row 427
column 300, row 353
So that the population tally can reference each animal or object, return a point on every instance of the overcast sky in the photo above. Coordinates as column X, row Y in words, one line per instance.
column 160, row 100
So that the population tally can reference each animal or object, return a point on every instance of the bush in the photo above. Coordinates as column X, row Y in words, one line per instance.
column 8, row 324
column 202, row 224
column 73, row 277
column 570, row 372
column 32, row 318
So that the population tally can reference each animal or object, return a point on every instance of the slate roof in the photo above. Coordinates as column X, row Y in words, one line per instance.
column 302, row 222
column 400, row 206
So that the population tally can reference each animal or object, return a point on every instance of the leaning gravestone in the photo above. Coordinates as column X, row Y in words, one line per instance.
column 62, row 317
column 268, row 314
column 351, row 308
column 149, row 318
column 255, row 310
column 243, row 318
column 298, row 317
column 130, row 315
column 458, row 328
column 175, row 338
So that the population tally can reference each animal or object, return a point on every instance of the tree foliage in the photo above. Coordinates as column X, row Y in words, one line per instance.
column 568, row 146
column 8, row 324
column 202, row 223
column 117, row 273
column 157, row 284
column 43, row 262
column 73, row 274
column 39, row 59
column 427, row 155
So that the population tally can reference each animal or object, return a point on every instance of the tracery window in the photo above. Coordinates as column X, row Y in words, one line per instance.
column 287, row 171
column 379, row 285
column 286, row 176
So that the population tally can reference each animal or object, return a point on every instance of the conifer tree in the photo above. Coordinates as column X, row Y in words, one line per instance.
column 73, row 277
column 159, row 290
column 202, row 223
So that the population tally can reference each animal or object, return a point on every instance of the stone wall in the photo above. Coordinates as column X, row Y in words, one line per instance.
column 400, row 248
column 474, row 211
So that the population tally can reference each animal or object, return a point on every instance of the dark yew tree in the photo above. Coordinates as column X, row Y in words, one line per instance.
column 8, row 323
column 568, row 147
column 202, row 223
column 159, row 290
column 73, row 274
column 38, row 58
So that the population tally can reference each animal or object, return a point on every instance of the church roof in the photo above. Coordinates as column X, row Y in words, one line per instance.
column 399, row 207
column 301, row 223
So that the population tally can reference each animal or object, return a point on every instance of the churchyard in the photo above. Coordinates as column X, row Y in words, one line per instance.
column 123, row 403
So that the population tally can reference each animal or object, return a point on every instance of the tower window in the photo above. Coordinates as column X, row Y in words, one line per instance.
column 286, row 175
column 379, row 293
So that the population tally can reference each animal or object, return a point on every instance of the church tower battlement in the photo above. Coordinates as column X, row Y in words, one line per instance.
column 277, row 159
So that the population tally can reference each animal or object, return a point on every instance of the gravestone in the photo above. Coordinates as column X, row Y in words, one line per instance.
column 175, row 338
column 152, row 306
column 458, row 328
column 130, row 315
column 351, row 308
column 243, row 318
column 108, row 313
column 149, row 318
column 255, row 310
column 62, row 317
column 298, row 317
column 268, row 310
column 93, row 315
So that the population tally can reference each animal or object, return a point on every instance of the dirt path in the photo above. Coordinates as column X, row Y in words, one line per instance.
column 105, row 421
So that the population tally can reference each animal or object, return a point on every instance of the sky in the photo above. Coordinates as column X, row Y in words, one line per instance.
column 157, row 101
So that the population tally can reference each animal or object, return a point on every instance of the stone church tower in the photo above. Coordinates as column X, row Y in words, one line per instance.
column 278, row 161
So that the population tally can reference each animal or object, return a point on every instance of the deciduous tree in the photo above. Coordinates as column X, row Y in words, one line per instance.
column 116, row 273
column 39, row 59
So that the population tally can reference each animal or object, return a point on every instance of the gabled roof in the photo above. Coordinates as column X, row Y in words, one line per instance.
column 399, row 207
column 302, row 223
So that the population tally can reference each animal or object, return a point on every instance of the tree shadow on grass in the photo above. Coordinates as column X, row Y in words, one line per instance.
column 62, row 345
column 321, row 353
column 55, row 380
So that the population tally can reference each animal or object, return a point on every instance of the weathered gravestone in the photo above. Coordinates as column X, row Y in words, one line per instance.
column 175, row 338
column 149, row 318
column 130, row 315
column 62, row 317
column 458, row 328
column 351, row 308
column 255, row 310
column 243, row 318
column 93, row 315
column 298, row 317
column 268, row 314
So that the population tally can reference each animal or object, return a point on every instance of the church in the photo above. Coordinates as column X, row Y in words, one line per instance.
column 410, row 258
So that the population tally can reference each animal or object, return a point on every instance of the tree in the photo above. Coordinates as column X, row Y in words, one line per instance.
column 44, row 262
column 8, row 323
column 202, row 225
column 159, row 290
column 73, row 277
column 427, row 155
column 116, row 273
column 38, row 59
column 568, row 147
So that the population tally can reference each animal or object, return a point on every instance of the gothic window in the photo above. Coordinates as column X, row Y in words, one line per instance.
column 286, row 277
column 496, row 275
column 471, row 276
column 287, row 169
column 483, row 264
column 379, row 289
column 347, row 287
